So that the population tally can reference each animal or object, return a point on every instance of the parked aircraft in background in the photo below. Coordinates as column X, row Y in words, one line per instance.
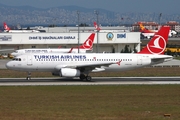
column 7, row 29
column 6, row 50
column 4, row 54
column 150, row 33
column 86, row 46
column 80, row 65
column 145, row 30
column 97, row 26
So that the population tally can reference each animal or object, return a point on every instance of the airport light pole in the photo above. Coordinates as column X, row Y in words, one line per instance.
column 78, row 30
column 97, row 45
column 160, row 15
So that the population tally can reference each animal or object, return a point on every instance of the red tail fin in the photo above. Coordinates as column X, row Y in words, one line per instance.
column 88, row 44
column 158, row 43
column 96, row 26
column 142, row 28
column 6, row 27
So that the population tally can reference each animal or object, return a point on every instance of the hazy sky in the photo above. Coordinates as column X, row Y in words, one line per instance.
column 163, row 6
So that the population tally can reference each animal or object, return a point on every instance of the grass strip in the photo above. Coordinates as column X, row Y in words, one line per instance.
column 121, row 102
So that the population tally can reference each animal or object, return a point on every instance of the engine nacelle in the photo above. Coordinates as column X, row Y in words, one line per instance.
column 69, row 72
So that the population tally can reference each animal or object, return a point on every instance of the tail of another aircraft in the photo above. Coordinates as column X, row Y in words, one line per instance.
column 158, row 43
column 6, row 27
column 96, row 26
column 142, row 28
column 88, row 44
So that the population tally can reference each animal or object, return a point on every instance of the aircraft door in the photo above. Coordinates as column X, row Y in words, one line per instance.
column 139, row 60
column 29, row 60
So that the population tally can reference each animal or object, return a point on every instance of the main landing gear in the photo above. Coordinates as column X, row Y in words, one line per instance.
column 28, row 76
column 88, row 78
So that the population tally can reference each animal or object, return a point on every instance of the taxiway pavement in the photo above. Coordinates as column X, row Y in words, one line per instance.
column 95, row 81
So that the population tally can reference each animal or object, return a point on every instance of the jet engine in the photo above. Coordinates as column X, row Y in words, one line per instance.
column 69, row 72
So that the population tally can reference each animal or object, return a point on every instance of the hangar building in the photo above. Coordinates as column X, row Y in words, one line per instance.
column 108, row 40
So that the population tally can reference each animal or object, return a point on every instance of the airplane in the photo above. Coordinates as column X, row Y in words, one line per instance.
column 2, row 50
column 97, row 27
column 87, row 45
column 143, row 29
column 81, row 64
column 7, row 29
column 150, row 33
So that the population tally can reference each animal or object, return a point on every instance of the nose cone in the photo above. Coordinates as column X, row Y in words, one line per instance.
column 9, row 65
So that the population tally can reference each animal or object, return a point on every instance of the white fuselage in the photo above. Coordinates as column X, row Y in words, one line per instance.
column 45, row 50
column 148, row 35
column 6, row 50
column 21, row 31
column 95, row 62
column 151, row 34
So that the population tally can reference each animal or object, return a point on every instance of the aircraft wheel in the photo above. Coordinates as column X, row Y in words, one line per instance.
column 28, row 78
column 88, row 78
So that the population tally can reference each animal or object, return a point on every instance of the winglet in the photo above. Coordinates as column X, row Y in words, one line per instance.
column 158, row 43
column 70, row 50
column 88, row 44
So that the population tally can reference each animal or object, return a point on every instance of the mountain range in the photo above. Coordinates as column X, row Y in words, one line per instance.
column 68, row 15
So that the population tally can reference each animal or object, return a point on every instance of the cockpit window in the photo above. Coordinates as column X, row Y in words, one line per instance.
column 16, row 59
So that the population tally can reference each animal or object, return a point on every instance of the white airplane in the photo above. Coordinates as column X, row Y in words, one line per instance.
column 7, row 29
column 80, row 65
column 87, row 45
column 150, row 33
column 6, row 49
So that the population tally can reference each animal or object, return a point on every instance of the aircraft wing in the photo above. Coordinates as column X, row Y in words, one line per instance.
column 95, row 65
column 89, row 67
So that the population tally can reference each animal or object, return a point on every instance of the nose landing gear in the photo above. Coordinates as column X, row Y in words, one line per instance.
column 28, row 76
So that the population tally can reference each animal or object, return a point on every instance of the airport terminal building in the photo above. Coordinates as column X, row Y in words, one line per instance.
column 104, row 41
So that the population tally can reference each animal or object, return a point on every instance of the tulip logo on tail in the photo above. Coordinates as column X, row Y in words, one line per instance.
column 157, row 46
column 88, row 44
